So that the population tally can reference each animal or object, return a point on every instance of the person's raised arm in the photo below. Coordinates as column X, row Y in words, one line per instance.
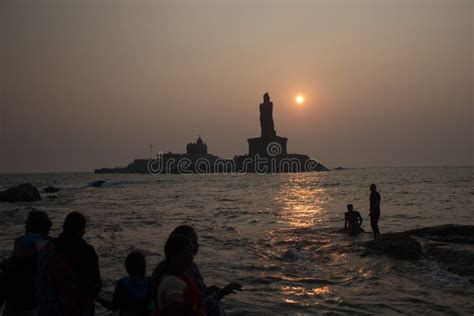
column 230, row 288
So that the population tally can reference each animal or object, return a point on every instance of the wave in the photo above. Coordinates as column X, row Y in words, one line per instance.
column 18, row 215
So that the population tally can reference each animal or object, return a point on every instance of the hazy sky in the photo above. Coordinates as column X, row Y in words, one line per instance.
column 88, row 84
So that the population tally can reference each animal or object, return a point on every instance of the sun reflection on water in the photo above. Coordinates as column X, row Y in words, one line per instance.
column 303, row 203
column 302, row 291
column 302, row 210
column 321, row 290
column 300, row 295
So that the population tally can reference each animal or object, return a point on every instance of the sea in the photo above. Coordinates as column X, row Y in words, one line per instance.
column 276, row 234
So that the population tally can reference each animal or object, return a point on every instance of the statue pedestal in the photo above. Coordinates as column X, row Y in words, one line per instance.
column 267, row 146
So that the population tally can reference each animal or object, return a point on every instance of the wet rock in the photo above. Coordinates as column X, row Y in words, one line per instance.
column 457, row 260
column 451, row 246
column 97, row 184
column 396, row 245
column 51, row 189
column 339, row 168
column 22, row 193
column 446, row 233
column 52, row 197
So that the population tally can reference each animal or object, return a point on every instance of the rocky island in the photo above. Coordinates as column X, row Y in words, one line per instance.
column 266, row 154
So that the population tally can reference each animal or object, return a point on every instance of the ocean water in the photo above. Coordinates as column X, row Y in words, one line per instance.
column 275, row 234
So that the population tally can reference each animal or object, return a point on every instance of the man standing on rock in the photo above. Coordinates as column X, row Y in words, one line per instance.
column 374, row 210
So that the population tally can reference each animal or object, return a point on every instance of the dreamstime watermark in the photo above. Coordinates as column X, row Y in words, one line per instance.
column 274, row 149
column 272, row 163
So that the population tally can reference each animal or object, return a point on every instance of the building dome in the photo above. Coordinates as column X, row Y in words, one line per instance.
column 199, row 148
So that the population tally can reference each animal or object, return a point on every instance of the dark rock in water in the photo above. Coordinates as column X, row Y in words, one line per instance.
column 97, row 184
column 52, row 197
column 340, row 168
column 448, row 233
column 51, row 189
column 451, row 246
column 456, row 260
column 396, row 245
column 23, row 193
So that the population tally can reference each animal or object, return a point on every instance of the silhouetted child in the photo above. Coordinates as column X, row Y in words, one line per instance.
column 132, row 295
column 353, row 221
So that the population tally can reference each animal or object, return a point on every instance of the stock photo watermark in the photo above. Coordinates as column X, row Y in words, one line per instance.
column 271, row 161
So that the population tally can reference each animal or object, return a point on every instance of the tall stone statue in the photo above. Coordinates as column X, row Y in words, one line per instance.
column 268, row 138
column 266, row 118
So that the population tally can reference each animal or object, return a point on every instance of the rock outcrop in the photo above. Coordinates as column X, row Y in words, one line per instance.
column 446, row 233
column 22, row 193
column 396, row 245
column 451, row 246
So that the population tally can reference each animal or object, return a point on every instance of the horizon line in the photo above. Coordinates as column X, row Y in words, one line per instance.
column 330, row 169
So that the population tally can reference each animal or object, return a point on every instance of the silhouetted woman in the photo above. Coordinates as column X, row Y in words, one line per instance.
column 68, row 277
column 211, row 296
column 177, row 293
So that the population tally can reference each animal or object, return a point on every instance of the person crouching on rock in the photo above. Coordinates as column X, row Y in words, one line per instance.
column 353, row 221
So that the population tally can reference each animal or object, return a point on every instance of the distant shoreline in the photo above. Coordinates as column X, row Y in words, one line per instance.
column 331, row 169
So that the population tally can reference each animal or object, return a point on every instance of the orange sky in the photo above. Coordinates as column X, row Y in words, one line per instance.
column 92, row 84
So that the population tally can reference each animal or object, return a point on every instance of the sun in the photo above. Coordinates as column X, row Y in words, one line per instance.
column 299, row 99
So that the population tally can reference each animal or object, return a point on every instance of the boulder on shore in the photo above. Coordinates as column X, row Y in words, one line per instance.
column 51, row 189
column 22, row 193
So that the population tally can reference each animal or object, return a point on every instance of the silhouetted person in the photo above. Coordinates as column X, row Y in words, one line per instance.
column 132, row 295
column 18, row 279
column 68, row 272
column 177, row 293
column 210, row 296
column 374, row 210
column 353, row 221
